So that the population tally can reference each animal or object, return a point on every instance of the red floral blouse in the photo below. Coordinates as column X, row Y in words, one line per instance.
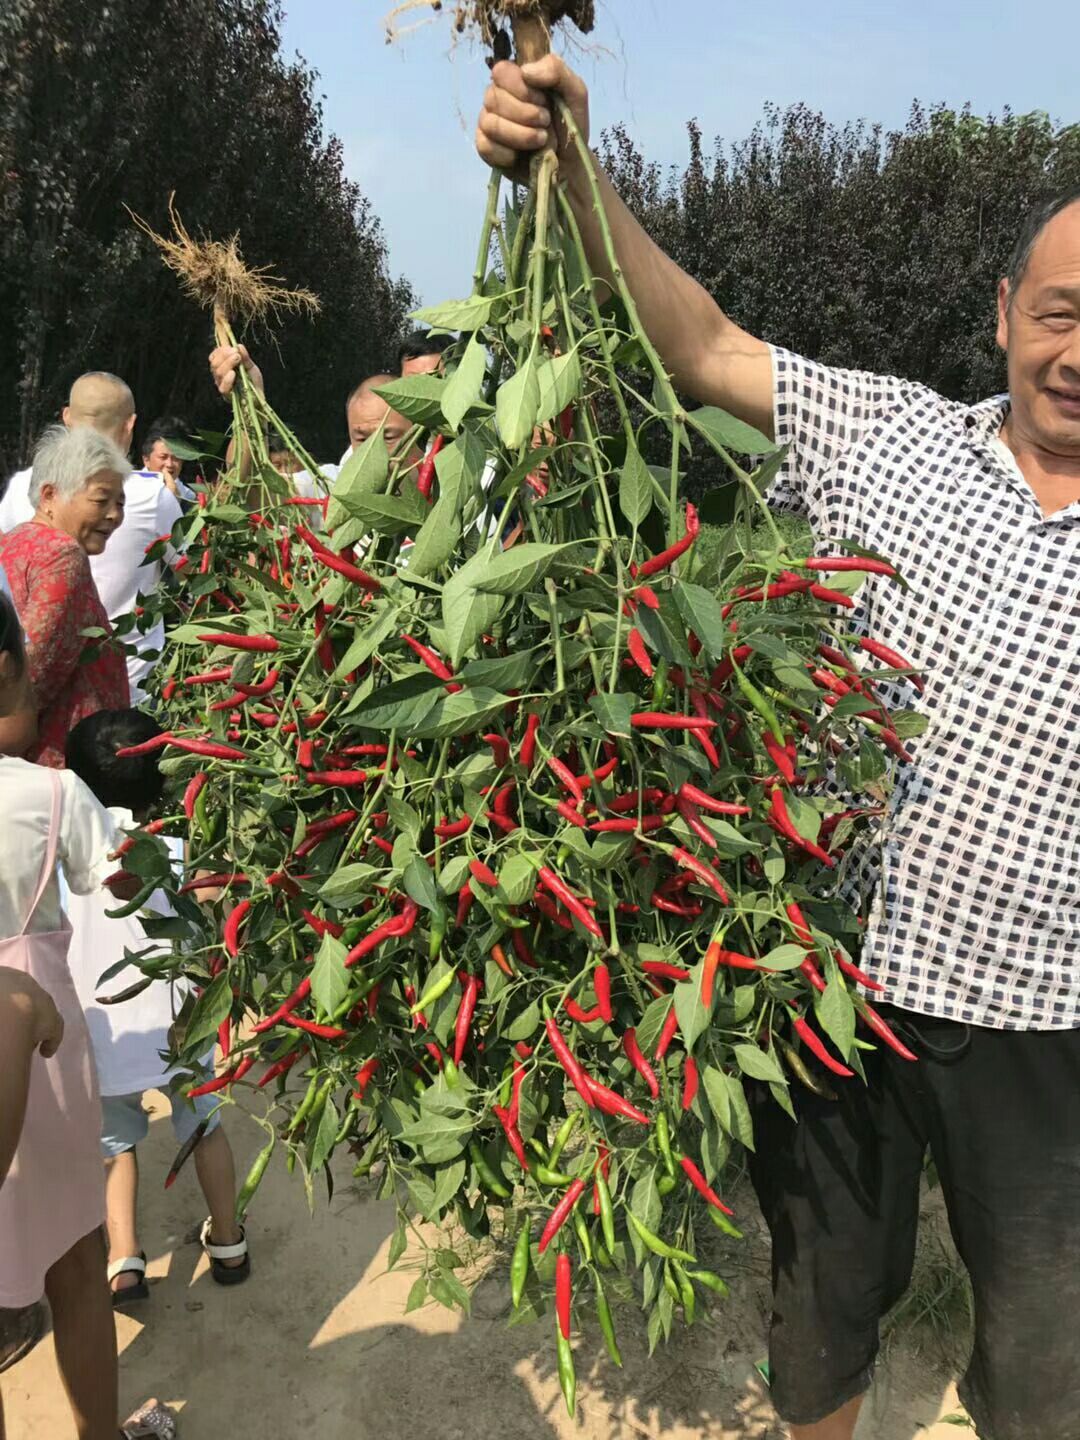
column 55, row 595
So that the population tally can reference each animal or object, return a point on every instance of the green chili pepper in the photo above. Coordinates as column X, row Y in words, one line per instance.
column 607, row 1325
column 255, row 1175
column 670, row 1286
column 366, row 1163
column 607, row 1211
column 202, row 815
column 686, row 1292
column 304, row 1108
column 566, row 1129
column 548, row 1176
column 486, row 1174
column 602, row 1257
column 755, row 698
column 433, row 992
column 663, row 1140
column 710, row 1281
column 567, row 1377
column 655, row 1244
column 450, row 1071
column 145, row 891
column 346, row 1126
column 512, row 922
column 537, row 1146
column 721, row 1222
column 519, row 1266
column 666, row 1184
column 440, row 919
column 583, row 1236
column 660, row 685
column 804, row 1076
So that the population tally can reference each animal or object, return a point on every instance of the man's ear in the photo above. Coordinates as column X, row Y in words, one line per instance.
column 65, row 417
column 1003, row 313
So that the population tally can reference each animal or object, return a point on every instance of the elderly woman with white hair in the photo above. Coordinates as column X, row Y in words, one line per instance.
column 77, row 490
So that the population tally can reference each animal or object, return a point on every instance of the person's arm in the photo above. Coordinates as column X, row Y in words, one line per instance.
column 29, row 1021
column 89, row 837
column 226, row 362
column 52, row 616
column 709, row 356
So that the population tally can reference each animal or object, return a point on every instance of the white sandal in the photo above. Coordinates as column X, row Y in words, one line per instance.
column 217, row 1254
column 129, row 1294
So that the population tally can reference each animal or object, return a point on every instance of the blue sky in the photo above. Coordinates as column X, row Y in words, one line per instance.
column 406, row 113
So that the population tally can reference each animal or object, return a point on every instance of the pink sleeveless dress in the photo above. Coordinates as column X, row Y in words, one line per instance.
column 54, row 1193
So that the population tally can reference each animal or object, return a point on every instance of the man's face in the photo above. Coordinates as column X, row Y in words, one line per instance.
column 421, row 365
column 91, row 515
column 366, row 413
column 1039, row 327
column 163, row 461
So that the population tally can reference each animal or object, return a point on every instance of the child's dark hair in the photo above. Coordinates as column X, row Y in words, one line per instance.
column 11, row 635
column 132, row 782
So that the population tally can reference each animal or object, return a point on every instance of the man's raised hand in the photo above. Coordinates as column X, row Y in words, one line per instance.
column 517, row 118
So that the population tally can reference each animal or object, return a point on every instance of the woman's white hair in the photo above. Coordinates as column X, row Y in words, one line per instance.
column 66, row 459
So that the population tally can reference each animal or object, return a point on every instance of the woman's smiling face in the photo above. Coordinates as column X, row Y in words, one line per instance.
column 90, row 515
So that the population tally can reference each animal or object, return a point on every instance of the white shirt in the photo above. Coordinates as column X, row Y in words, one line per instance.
column 121, row 576
column 88, row 835
column 128, row 1038
column 15, row 507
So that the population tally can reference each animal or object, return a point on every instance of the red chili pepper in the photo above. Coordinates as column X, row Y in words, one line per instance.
column 464, row 905
column 780, row 756
column 500, row 748
column 663, row 971
column 425, row 476
column 708, row 802
column 551, row 911
column 211, row 677
column 322, row 927
column 222, row 1082
column 305, row 754
column 611, row 1103
column 832, row 597
column 146, row 747
column 347, row 779
column 627, row 825
column 564, row 1291
column 667, row 558
column 566, row 778
column 502, row 822
column 483, row 873
column 655, row 720
column 848, row 562
column 578, row 1015
column 605, row 771
column 854, row 973
column 527, row 751
column 562, row 893
column 786, row 826
column 263, row 643
column 634, row 800
column 701, row 1185
column 454, row 830
column 672, row 907
column 521, row 949
column 690, row 1082
column 434, row 663
column 516, row 1083
column 213, row 882
column 873, row 1020
column 701, row 871
column 280, row 1066
column 568, row 813
column 890, row 658
column 192, row 792
column 602, row 986
column 635, row 644
column 363, row 1077
column 324, row 1032
column 693, row 820
column 667, row 1034
column 816, row 1046
column 576, row 1074
column 633, row 1053
column 233, row 922
column 513, row 1135
column 209, row 749
column 466, row 1010
column 336, row 563
column 559, row 1216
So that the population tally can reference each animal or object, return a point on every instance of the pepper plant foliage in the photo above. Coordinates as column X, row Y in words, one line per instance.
column 525, row 868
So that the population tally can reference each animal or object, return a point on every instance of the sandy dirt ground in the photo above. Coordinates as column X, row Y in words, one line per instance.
column 317, row 1343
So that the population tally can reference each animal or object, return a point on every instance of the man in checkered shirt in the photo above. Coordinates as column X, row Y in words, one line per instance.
column 975, row 940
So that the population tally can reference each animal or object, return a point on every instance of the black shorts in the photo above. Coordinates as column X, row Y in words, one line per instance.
column 1000, row 1114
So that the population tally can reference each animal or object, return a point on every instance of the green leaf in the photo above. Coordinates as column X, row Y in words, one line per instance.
column 690, row 1008
column 509, row 572
column 560, row 382
column 729, row 840
column 646, row 1205
column 836, row 1015
column 467, row 613
column 329, row 1123
column 398, row 1244
column 613, row 712
column 742, row 1126
column 517, row 405
column 368, row 639
column 652, row 1022
column 449, row 1291
column 210, row 1010
column 525, row 1025
column 909, row 724
column 417, row 1295
column 467, row 314
column 348, row 886
column 431, row 1195
column 402, row 704
column 517, row 879
column 464, row 387
column 419, row 883
column 507, row 672
column 329, row 978
column 454, row 874
column 784, row 957
column 417, row 397
column 460, row 714
column 720, row 428
column 436, row 539
column 702, row 614
column 718, row 1095
column 758, row 1064
column 390, row 514
column 364, row 472
column 635, row 488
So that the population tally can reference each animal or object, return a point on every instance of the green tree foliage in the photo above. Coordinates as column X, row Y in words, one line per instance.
column 855, row 246
column 107, row 105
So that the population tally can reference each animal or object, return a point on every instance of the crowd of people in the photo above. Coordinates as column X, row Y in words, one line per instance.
column 75, row 528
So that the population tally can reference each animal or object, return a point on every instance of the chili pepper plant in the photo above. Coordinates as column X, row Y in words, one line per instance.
column 523, row 846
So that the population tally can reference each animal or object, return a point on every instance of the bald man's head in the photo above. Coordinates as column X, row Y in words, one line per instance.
column 365, row 411
column 104, row 403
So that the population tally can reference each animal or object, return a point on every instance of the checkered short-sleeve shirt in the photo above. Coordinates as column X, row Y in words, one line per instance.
column 977, row 916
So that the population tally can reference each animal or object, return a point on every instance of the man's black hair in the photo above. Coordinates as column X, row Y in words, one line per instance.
column 134, row 782
column 1036, row 222
column 422, row 342
column 167, row 428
